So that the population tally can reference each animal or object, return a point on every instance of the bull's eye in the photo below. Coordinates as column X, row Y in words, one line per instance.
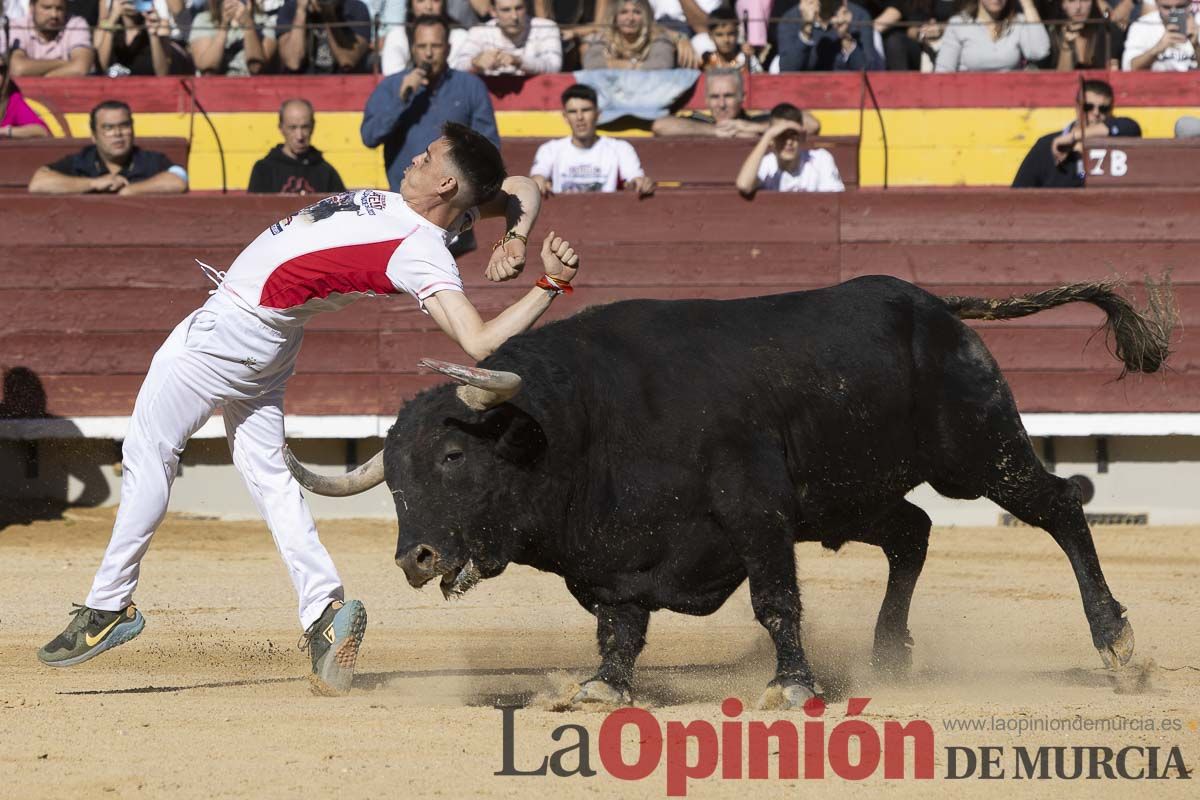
column 452, row 456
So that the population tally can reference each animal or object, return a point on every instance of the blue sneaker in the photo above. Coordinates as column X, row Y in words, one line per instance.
column 90, row 633
column 334, row 640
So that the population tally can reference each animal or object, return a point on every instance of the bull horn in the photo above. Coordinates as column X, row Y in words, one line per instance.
column 358, row 480
column 483, row 388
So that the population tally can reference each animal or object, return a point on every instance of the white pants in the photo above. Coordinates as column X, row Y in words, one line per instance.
column 220, row 356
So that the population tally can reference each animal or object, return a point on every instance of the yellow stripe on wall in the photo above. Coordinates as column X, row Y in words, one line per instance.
column 926, row 147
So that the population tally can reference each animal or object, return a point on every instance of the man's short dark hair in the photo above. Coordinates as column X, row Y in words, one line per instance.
column 428, row 20
column 722, row 15
column 578, row 91
column 283, row 107
column 477, row 160
column 787, row 111
column 1097, row 87
column 108, row 105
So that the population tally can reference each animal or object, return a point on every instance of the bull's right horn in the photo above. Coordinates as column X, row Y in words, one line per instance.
column 483, row 388
column 358, row 480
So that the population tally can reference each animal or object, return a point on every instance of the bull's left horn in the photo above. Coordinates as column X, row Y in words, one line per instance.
column 483, row 388
column 358, row 480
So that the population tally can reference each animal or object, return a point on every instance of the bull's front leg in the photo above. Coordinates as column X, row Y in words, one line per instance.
column 776, row 600
column 621, row 633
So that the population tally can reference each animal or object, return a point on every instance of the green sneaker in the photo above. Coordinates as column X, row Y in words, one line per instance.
column 90, row 633
column 334, row 640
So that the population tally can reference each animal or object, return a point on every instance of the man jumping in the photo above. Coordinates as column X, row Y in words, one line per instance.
column 238, row 350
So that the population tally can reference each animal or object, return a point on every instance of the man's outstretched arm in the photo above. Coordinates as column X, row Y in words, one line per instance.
column 455, row 315
column 519, row 202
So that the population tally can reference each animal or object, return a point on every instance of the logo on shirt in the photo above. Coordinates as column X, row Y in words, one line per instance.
column 326, row 208
column 278, row 227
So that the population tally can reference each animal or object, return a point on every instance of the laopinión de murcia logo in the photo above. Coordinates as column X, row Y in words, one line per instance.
column 782, row 749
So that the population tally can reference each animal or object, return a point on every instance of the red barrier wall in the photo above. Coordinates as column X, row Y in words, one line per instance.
column 541, row 92
column 93, row 284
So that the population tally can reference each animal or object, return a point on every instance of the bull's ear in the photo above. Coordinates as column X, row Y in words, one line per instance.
column 523, row 441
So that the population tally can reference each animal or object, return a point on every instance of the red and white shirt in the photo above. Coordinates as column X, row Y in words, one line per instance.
column 350, row 245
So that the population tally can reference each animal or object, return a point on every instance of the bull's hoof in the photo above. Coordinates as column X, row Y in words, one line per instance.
column 787, row 696
column 1118, row 652
column 893, row 660
column 598, row 692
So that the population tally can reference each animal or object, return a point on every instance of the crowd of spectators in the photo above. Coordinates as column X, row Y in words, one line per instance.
column 526, row 37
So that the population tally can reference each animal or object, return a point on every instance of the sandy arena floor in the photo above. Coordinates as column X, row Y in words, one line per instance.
column 212, row 701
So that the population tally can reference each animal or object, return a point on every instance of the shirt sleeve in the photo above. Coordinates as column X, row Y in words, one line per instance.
column 543, row 161
column 422, row 268
column 1124, row 126
column 202, row 27
column 628, row 164
column 359, row 17
column 77, row 35
column 543, row 49
column 67, row 165
column 768, row 168
column 284, row 20
column 828, row 177
column 395, row 51
column 950, row 50
column 1136, row 44
column 472, row 45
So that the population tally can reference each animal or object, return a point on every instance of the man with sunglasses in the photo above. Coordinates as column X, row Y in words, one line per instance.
column 1056, row 160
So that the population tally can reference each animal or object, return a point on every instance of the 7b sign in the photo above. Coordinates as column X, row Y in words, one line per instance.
column 1105, row 161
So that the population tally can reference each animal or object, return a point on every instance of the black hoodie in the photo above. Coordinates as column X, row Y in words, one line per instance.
column 279, row 173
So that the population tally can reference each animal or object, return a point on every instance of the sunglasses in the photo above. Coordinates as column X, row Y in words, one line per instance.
column 1104, row 109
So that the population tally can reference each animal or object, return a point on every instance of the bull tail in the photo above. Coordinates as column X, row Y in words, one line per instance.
column 1141, row 340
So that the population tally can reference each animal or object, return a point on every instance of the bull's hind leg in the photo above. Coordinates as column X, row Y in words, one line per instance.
column 903, row 535
column 1036, row 497
column 621, row 633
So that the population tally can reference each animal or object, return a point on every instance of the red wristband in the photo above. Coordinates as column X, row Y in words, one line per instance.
column 557, row 285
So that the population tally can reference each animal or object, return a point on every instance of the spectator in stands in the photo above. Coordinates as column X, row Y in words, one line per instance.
column 992, row 36
column 583, row 161
column 933, row 15
column 48, row 43
column 804, row 23
column 629, row 39
column 832, row 36
column 231, row 37
column 323, row 36
column 1056, row 159
column 510, row 44
column 130, row 43
column 114, row 164
column 720, row 47
column 779, row 161
column 395, row 55
column 295, row 167
column 1087, row 41
column 88, row 9
column 1187, row 127
column 386, row 16
column 685, row 17
column 17, row 119
column 406, row 111
column 1163, row 40
column 726, row 117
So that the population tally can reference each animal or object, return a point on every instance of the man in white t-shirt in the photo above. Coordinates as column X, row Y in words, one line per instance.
column 237, row 352
column 583, row 161
column 1163, row 40
column 780, row 163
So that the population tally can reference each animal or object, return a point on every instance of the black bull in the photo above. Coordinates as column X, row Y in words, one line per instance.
column 661, row 452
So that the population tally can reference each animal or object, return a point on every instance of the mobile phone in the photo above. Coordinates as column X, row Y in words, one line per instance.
column 1177, row 17
column 143, row 6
